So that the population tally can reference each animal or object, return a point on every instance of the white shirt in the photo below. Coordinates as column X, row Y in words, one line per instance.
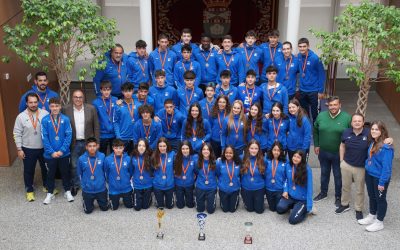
column 79, row 117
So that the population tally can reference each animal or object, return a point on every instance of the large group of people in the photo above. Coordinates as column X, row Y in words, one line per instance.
column 185, row 123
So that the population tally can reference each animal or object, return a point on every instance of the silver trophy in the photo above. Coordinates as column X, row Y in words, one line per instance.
column 248, row 239
column 201, row 220
column 160, row 215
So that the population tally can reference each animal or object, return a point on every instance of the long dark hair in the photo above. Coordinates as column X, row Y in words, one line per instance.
column 280, row 106
column 300, row 176
column 258, row 119
column 146, row 155
column 378, row 143
column 300, row 114
column 179, row 157
column 211, row 160
column 259, row 159
column 281, row 157
column 235, row 157
column 215, row 109
column 199, row 122
column 156, row 154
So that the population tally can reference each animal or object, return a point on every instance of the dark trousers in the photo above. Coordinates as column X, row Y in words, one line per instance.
column 142, row 198
column 174, row 143
column 89, row 198
column 31, row 157
column 106, row 145
column 299, row 209
column 62, row 164
column 309, row 101
column 291, row 153
column 164, row 198
column 253, row 200
column 203, row 196
column 184, row 196
column 330, row 161
column 216, row 145
column 126, row 199
column 377, row 199
column 273, row 198
column 229, row 201
column 77, row 150
column 128, row 144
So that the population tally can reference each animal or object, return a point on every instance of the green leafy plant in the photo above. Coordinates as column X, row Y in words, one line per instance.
column 367, row 40
column 55, row 34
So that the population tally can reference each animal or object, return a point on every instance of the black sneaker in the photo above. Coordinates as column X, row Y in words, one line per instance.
column 338, row 202
column 359, row 215
column 342, row 209
column 320, row 197
column 74, row 191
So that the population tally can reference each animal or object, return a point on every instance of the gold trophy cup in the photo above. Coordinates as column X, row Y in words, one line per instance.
column 160, row 215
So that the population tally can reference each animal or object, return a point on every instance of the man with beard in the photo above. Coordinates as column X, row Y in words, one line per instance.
column 41, row 90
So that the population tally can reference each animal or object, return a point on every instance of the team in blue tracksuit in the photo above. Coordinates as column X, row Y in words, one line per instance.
column 124, row 122
column 260, row 136
column 105, row 113
column 187, row 97
column 142, row 180
column 277, row 131
column 163, row 60
column 151, row 133
column 231, row 93
column 249, row 96
column 236, row 139
column 299, row 197
column 116, row 73
column 53, row 142
column 253, row 187
column 206, row 187
column 270, row 56
column 184, row 183
column 91, row 172
column 195, row 139
column 163, row 182
column 252, row 56
column 44, row 98
column 206, row 107
column 139, row 102
column 177, row 48
column 275, row 178
column 138, row 70
column 273, row 95
column 288, row 68
column 160, row 94
column 233, row 62
column 181, row 67
column 299, row 137
column 171, row 126
column 228, row 173
column 119, row 172
column 208, row 64
column 378, row 168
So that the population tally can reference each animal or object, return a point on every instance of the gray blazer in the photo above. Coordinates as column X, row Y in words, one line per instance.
column 92, row 127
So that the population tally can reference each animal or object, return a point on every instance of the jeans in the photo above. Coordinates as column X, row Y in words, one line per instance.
column 31, row 157
column 377, row 199
column 330, row 161
column 309, row 100
column 77, row 150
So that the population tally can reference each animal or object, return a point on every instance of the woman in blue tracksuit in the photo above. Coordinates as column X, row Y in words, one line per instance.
column 378, row 168
column 299, row 136
column 184, row 165
column 298, row 189
column 275, row 175
column 163, row 181
column 253, row 183
column 206, row 182
column 220, row 110
column 256, row 126
column 142, row 175
column 233, row 128
column 196, row 129
column 228, row 172
column 277, row 126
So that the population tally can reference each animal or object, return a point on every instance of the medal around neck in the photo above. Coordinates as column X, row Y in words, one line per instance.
column 160, row 215
column 201, row 221
column 248, row 239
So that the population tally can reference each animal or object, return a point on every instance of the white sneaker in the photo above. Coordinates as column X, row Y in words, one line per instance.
column 68, row 196
column 48, row 198
column 367, row 220
column 376, row 226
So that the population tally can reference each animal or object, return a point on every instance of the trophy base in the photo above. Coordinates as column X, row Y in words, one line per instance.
column 248, row 240
column 160, row 236
column 202, row 236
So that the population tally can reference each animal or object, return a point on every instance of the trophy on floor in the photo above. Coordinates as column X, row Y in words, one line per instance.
column 248, row 239
column 201, row 220
column 160, row 215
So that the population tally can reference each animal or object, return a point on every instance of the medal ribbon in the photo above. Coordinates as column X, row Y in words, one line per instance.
column 273, row 92
column 252, row 95
column 276, row 130
column 164, row 166
column 219, row 119
column 251, row 54
column 163, row 59
column 252, row 129
column 147, row 131
column 140, row 166
column 191, row 96
column 92, row 169
column 204, row 171
column 230, row 60
column 42, row 101
column 236, row 128
column 190, row 67
column 118, row 167
column 288, row 67
column 274, row 167
column 34, row 122
column 58, row 124
column 105, row 105
column 208, row 57
column 229, row 172
column 253, row 169
column 305, row 63
column 208, row 109
column 185, row 169
column 169, row 124
column 142, row 67
column 119, row 67
column 272, row 56
column 131, row 110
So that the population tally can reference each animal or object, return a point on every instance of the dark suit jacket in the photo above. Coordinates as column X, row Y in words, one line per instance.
column 92, row 127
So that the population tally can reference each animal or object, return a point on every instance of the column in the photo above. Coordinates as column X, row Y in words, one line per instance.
column 146, row 28
column 293, row 23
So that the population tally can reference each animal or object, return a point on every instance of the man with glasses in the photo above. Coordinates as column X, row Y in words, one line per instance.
column 85, row 124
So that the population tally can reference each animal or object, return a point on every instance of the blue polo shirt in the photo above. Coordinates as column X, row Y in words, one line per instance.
column 356, row 147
